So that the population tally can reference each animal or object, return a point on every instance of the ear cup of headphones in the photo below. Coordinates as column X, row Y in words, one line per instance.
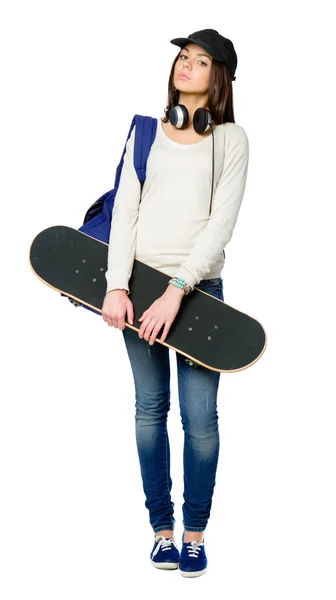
column 202, row 119
column 178, row 116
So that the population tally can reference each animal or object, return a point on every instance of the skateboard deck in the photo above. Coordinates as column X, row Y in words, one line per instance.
column 205, row 329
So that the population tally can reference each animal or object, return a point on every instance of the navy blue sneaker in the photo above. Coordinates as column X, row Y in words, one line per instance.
column 193, row 560
column 165, row 554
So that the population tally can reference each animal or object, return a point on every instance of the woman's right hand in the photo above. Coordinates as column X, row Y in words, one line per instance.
column 116, row 305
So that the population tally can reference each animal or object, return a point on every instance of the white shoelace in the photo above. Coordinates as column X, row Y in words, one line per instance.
column 194, row 548
column 164, row 544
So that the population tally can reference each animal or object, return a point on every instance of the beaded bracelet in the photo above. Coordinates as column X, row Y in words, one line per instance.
column 181, row 284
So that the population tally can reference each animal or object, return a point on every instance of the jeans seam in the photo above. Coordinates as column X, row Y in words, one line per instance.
column 171, row 527
column 167, row 474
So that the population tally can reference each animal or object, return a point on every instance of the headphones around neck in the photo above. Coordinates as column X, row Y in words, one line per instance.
column 179, row 117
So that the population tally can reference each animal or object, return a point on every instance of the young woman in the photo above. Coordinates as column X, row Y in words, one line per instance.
column 172, row 230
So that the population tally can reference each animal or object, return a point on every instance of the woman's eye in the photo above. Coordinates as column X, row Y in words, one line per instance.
column 185, row 56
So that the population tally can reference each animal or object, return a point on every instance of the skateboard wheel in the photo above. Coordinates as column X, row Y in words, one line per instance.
column 191, row 363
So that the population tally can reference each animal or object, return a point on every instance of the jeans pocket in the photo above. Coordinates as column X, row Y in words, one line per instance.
column 214, row 287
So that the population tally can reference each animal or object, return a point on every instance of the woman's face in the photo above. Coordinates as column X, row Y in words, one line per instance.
column 194, row 62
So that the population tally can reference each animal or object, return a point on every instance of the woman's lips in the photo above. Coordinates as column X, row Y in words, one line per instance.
column 184, row 77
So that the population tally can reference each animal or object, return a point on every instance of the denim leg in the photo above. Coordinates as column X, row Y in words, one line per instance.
column 197, row 388
column 151, row 374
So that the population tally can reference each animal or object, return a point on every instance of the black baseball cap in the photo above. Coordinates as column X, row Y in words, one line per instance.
column 220, row 48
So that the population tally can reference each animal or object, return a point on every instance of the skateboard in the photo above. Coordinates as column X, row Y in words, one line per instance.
column 206, row 330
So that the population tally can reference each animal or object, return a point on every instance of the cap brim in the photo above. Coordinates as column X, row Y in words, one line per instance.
column 180, row 42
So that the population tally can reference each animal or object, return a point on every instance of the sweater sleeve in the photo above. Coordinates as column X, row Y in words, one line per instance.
column 125, row 212
column 225, row 207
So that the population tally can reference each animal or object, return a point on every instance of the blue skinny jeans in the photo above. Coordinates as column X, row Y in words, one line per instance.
column 197, row 391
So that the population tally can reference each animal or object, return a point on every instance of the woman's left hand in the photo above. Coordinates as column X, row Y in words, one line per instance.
column 162, row 312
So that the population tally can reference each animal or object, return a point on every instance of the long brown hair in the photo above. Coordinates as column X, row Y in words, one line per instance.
column 220, row 101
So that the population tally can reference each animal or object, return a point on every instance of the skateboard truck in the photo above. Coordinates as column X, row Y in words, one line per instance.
column 74, row 302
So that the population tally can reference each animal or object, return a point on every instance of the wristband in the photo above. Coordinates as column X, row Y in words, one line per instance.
column 181, row 284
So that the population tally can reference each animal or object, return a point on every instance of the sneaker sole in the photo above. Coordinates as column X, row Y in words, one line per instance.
column 164, row 565
column 192, row 573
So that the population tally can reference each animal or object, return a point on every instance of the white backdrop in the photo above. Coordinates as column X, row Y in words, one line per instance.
column 73, row 74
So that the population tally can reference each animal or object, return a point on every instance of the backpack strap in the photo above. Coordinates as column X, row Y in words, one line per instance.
column 144, row 137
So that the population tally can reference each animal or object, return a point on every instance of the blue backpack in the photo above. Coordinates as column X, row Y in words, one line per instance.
column 98, row 218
